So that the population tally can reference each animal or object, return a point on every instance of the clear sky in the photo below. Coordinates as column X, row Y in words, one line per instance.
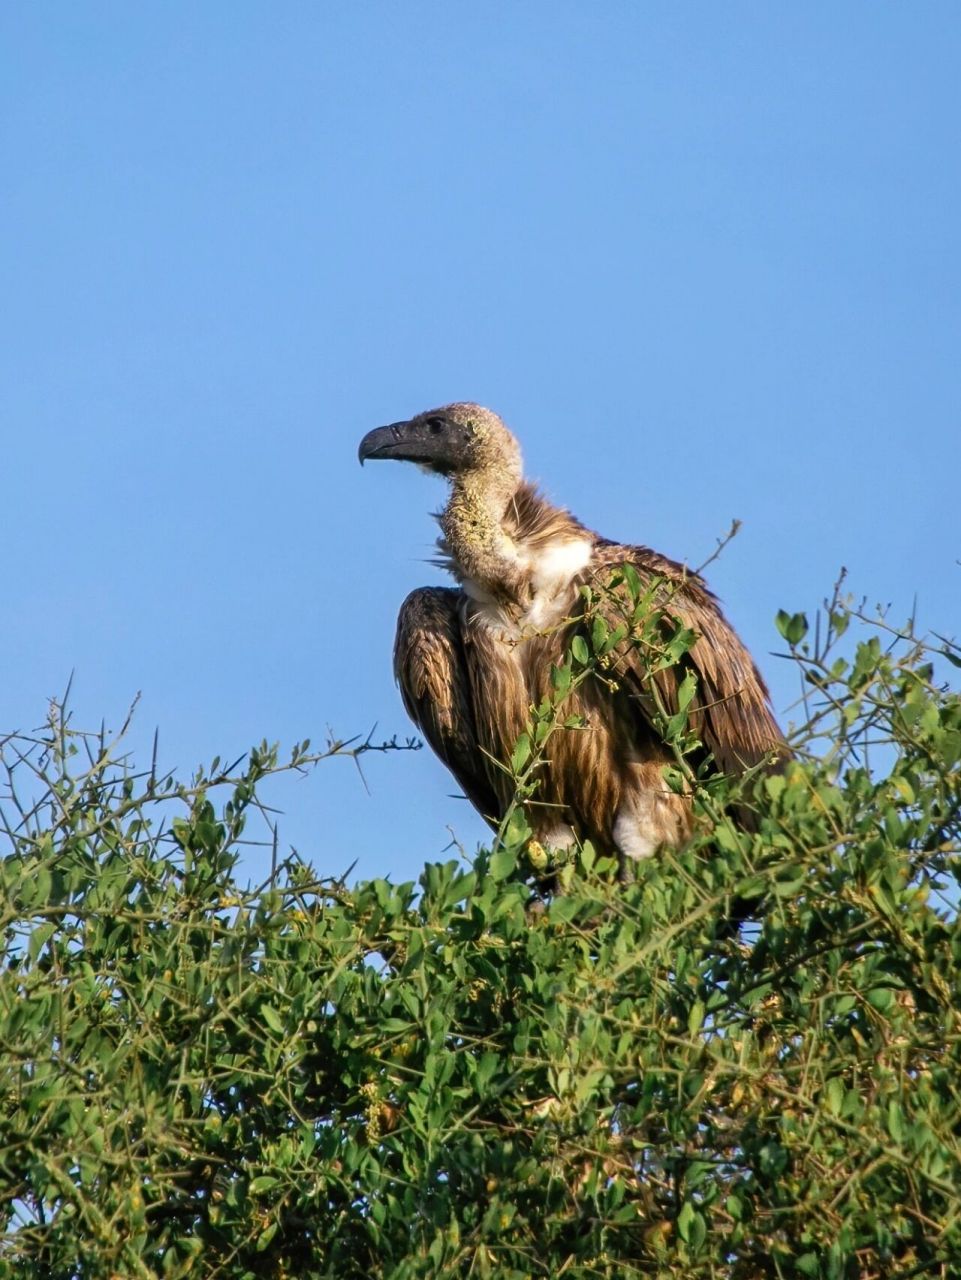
column 703, row 258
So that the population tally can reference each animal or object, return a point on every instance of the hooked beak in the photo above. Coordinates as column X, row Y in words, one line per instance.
column 384, row 442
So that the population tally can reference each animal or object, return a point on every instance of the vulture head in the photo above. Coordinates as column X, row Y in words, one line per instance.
column 457, row 440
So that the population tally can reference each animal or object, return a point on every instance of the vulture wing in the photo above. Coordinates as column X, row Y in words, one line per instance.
column 731, row 710
column 430, row 668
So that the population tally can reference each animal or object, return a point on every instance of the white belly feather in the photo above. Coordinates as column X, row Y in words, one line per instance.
column 550, row 571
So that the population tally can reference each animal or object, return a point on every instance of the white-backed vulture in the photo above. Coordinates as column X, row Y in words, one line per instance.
column 472, row 661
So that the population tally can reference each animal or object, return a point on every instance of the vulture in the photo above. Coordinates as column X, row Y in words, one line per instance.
column 473, row 661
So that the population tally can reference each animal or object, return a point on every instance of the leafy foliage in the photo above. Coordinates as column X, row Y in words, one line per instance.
column 745, row 1063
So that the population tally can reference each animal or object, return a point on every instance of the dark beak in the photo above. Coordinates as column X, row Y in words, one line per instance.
column 384, row 442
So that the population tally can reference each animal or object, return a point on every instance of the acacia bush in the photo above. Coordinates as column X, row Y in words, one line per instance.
column 745, row 1063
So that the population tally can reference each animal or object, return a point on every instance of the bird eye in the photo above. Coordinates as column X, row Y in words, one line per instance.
column 435, row 426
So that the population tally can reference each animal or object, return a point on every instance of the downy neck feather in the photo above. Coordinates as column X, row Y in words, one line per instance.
column 514, row 553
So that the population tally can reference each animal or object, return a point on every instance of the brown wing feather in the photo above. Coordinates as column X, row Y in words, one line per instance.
column 430, row 669
column 731, row 711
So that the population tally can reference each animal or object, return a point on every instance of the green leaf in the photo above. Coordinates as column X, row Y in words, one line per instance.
column 695, row 1017
column 674, row 779
column 588, row 856
column 787, row 880
column 487, row 1064
column 265, row 1182
column 518, row 829
column 633, row 581
column 563, row 910
column 521, row 753
column 265, row 1237
column 691, row 1226
column 894, row 1121
column 792, row 626
column 272, row 1018
column 503, row 863
column 39, row 937
column 561, row 679
column 752, row 887
column 834, row 1095
column 880, row 998
column 686, row 691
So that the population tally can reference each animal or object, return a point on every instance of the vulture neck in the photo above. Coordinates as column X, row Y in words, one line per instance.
column 483, row 554
column 513, row 552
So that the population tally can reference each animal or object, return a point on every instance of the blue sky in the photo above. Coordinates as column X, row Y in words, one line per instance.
column 703, row 258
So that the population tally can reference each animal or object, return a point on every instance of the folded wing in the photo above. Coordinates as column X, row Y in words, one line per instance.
column 731, row 710
column 429, row 665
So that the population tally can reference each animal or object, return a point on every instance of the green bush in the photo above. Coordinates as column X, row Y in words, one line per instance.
column 745, row 1063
